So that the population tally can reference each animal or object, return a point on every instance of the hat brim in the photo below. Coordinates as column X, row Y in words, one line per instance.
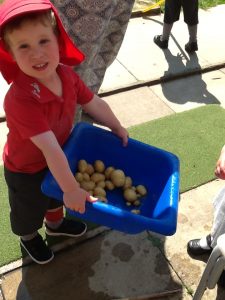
column 10, row 9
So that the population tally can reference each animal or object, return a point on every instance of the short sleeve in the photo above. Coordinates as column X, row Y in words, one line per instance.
column 84, row 94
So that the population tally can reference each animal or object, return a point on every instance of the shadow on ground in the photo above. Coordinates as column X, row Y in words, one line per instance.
column 181, row 92
column 113, row 265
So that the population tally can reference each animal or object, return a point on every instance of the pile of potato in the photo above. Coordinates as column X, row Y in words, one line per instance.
column 98, row 178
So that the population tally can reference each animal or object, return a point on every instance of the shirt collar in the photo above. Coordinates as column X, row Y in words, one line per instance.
column 36, row 89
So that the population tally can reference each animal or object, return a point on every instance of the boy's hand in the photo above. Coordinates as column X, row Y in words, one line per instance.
column 220, row 166
column 76, row 199
column 123, row 134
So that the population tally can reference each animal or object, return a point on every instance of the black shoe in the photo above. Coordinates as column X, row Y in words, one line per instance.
column 194, row 248
column 221, row 281
column 68, row 228
column 191, row 47
column 162, row 44
column 38, row 250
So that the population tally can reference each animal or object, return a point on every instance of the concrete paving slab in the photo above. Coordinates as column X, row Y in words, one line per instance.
column 137, row 106
column 194, row 221
column 139, row 54
column 192, row 92
column 147, row 62
column 212, row 38
column 117, row 76
column 111, row 266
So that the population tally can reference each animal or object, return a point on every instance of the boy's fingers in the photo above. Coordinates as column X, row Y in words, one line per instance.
column 81, row 210
column 125, row 142
column 91, row 199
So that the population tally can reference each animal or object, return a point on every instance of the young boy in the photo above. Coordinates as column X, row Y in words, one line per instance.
column 172, row 14
column 35, row 52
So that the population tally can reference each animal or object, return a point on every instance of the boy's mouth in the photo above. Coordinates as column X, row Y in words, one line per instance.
column 40, row 67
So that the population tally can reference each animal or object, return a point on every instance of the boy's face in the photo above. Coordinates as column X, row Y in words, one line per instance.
column 35, row 49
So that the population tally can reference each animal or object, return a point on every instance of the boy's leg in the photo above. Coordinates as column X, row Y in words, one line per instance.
column 162, row 40
column 192, row 33
column 172, row 14
column 192, row 44
column 56, row 225
column 28, row 206
column 190, row 10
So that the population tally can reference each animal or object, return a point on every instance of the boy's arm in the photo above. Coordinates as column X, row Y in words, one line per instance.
column 74, row 197
column 99, row 110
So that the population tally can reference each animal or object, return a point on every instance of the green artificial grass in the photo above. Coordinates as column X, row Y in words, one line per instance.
column 10, row 249
column 195, row 136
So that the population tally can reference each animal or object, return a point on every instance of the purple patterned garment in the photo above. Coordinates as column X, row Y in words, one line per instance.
column 97, row 27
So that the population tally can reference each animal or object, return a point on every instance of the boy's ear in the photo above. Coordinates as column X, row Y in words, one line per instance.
column 6, row 48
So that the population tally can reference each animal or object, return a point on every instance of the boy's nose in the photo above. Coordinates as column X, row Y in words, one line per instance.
column 36, row 53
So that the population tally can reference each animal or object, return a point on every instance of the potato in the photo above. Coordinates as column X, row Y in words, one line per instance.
column 136, row 211
column 103, row 199
column 96, row 177
column 87, row 185
column 137, row 203
column 98, row 191
column 108, row 172
column 141, row 190
column 109, row 185
column 82, row 165
column 128, row 182
column 86, row 177
column 118, row 177
column 90, row 169
column 130, row 195
column 79, row 177
column 101, row 184
column 99, row 166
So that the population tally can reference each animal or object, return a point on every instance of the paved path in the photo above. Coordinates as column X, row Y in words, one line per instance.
column 116, row 265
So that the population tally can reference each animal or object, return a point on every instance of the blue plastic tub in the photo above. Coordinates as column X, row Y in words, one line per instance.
column 156, row 169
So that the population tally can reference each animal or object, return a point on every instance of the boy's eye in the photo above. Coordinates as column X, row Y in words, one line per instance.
column 44, row 41
column 23, row 46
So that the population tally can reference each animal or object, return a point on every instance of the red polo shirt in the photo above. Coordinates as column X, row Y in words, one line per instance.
column 31, row 109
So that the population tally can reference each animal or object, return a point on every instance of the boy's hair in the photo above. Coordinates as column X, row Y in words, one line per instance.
column 42, row 17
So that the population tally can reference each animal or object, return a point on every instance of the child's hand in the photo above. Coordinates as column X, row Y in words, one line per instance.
column 220, row 166
column 122, row 133
column 76, row 199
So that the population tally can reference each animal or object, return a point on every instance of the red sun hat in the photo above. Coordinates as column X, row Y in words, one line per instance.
column 69, row 53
